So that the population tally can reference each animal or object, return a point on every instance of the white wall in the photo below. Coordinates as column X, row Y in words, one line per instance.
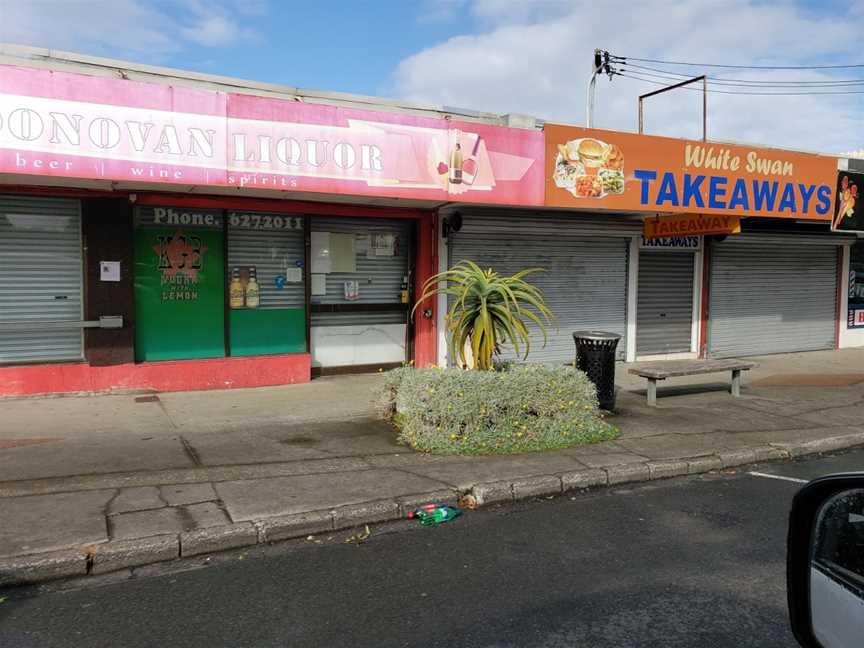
column 362, row 344
column 442, row 299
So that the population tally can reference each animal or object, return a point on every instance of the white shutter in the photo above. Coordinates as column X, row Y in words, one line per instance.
column 40, row 279
column 772, row 296
column 585, row 283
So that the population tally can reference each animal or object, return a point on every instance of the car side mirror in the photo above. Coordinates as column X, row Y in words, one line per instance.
column 825, row 562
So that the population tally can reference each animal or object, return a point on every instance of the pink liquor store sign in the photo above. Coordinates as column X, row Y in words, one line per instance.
column 92, row 127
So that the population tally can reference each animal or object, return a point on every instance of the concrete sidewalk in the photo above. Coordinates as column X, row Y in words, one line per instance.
column 96, row 484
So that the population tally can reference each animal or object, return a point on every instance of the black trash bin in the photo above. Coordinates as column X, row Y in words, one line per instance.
column 595, row 355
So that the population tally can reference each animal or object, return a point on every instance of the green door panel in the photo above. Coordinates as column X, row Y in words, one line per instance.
column 263, row 331
column 179, row 294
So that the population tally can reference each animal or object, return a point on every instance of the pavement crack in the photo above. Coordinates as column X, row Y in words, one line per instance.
column 165, row 412
column 191, row 452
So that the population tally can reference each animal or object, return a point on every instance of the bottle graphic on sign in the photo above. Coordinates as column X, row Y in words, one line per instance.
column 235, row 290
column 253, row 290
column 456, row 163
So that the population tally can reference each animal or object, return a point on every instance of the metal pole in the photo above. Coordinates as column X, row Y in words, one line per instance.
column 704, row 81
column 589, row 100
column 589, row 95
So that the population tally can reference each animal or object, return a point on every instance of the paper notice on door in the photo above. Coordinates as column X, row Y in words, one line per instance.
column 320, row 252
column 294, row 275
column 319, row 285
column 342, row 255
column 382, row 245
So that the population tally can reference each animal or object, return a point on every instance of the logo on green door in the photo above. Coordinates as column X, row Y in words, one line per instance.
column 179, row 259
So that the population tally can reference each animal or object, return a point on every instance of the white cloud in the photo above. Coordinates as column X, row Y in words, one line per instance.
column 212, row 26
column 123, row 28
column 536, row 57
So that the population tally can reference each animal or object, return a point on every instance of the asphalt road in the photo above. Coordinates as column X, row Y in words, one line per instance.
column 686, row 562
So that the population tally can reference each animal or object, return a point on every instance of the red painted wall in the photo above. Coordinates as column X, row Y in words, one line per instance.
column 174, row 375
column 425, row 335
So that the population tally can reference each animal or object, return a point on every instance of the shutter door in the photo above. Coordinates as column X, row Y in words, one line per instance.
column 772, row 297
column 585, row 282
column 664, row 313
column 40, row 279
column 380, row 277
column 376, row 335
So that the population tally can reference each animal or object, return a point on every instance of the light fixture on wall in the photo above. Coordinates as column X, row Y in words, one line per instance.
column 452, row 224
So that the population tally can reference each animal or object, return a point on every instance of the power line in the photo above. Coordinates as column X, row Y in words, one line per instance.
column 736, row 92
column 724, row 82
column 624, row 59
column 669, row 74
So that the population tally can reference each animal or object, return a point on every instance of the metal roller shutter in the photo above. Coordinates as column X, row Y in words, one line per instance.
column 585, row 282
column 40, row 279
column 271, row 252
column 771, row 297
column 664, row 312
column 380, row 277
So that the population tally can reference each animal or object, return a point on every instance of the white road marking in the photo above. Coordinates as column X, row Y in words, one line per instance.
column 781, row 477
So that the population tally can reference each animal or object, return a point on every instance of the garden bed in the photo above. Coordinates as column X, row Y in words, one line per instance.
column 520, row 408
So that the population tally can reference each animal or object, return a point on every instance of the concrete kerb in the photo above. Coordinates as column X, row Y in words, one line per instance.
column 36, row 568
column 136, row 552
column 121, row 555
column 816, row 446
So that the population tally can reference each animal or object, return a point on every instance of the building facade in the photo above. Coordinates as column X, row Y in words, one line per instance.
column 166, row 230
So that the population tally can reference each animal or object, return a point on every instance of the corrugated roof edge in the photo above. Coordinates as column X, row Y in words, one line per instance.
column 45, row 58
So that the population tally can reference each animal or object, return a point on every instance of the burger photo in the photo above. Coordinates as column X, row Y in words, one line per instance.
column 591, row 154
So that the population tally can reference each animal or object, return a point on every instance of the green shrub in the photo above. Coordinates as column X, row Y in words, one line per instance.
column 522, row 408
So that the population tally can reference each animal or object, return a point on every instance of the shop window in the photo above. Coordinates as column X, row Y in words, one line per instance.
column 266, row 283
column 856, row 286
column 359, row 291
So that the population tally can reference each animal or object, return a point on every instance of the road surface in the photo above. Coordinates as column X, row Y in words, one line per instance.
column 695, row 561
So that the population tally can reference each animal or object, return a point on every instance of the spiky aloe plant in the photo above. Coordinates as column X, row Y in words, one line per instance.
column 489, row 310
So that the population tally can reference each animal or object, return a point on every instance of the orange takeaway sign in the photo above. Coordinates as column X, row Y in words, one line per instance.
column 690, row 225
column 596, row 169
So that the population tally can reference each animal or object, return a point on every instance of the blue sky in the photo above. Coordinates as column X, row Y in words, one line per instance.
column 345, row 46
column 496, row 55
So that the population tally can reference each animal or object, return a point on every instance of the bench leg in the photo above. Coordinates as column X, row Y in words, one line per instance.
column 736, row 382
column 652, row 392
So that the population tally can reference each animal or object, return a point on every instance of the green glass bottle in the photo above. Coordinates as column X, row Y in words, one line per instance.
column 433, row 514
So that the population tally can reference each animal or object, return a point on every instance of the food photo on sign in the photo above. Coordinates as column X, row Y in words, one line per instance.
column 849, row 210
column 589, row 168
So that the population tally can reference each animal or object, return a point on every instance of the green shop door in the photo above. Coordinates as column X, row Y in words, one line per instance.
column 179, row 284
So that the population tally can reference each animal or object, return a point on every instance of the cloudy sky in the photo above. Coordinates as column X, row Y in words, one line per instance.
column 497, row 55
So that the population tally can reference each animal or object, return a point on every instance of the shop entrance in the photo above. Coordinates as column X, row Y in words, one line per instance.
column 40, row 279
column 664, row 310
column 585, row 278
column 360, row 278
column 772, row 294
column 179, row 284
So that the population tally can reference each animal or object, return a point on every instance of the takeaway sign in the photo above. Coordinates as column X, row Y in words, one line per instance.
column 595, row 169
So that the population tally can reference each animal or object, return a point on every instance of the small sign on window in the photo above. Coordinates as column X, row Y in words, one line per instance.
column 109, row 271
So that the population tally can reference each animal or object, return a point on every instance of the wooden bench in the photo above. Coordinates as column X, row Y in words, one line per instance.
column 663, row 370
